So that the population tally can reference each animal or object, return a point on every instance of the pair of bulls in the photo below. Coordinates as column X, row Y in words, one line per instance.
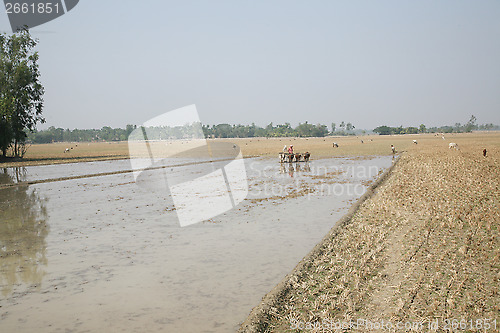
column 287, row 157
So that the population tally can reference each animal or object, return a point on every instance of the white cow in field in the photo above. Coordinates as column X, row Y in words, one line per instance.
column 66, row 150
column 415, row 141
column 453, row 145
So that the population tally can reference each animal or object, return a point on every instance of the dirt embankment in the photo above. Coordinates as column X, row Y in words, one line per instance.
column 425, row 248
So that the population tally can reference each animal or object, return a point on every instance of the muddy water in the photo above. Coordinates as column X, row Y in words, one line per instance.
column 103, row 254
column 55, row 171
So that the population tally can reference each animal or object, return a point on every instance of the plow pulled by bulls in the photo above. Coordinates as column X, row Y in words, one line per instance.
column 294, row 157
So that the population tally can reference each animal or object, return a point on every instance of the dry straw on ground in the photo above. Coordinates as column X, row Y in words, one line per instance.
column 424, row 247
column 54, row 153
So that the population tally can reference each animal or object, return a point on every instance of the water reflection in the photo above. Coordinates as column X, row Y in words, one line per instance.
column 23, row 229
column 292, row 168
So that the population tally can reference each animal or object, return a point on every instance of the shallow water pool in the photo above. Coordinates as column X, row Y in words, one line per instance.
column 104, row 254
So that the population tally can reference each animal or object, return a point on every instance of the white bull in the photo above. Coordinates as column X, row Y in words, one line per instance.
column 453, row 145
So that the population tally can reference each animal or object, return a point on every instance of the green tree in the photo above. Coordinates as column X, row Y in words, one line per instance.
column 320, row 130
column 411, row 130
column 130, row 128
column 21, row 92
column 383, row 130
column 422, row 128
column 398, row 130
column 471, row 124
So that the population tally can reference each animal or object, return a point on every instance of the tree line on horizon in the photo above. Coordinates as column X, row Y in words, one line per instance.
column 107, row 133
column 468, row 127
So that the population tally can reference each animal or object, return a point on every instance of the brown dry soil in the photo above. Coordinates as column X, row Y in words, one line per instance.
column 54, row 153
column 424, row 247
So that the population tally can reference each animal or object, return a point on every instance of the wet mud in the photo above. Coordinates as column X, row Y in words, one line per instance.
column 104, row 254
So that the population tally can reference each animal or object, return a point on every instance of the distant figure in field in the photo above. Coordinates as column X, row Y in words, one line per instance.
column 485, row 152
column 361, row 141
column 453, row 145
column 335, row 145
column 442, row 137
column 284, row 149
column 393, row 149
column 290, row 149
column 415, row 141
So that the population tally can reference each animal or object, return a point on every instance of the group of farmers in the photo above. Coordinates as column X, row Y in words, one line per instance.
column 289, row 150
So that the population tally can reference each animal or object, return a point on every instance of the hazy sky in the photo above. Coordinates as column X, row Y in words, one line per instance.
column 367, row 62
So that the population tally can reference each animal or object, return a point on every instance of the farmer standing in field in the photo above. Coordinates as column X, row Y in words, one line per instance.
column 290, row 149
column 393, row 149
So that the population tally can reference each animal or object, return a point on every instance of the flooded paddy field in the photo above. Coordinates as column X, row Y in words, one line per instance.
column 104, row 254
